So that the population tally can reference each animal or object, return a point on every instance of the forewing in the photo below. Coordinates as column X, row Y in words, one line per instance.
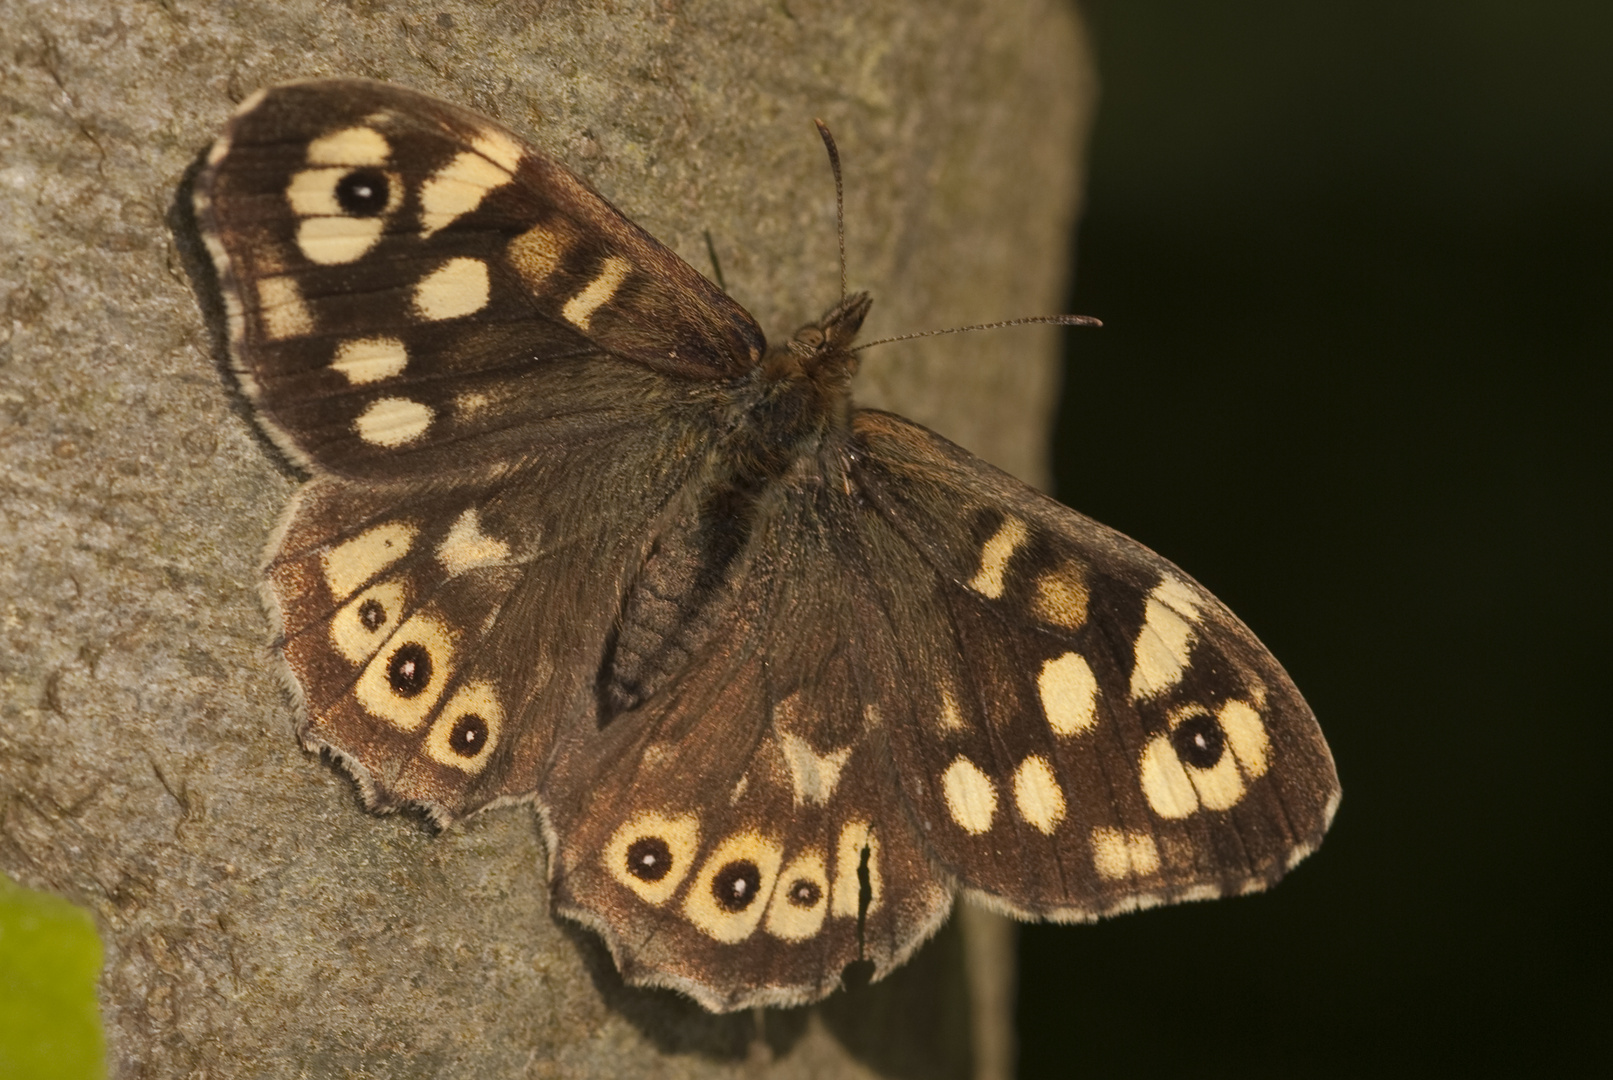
column 405, row 280
column 1089, row 729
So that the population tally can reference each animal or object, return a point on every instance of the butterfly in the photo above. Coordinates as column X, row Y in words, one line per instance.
column 781, row 675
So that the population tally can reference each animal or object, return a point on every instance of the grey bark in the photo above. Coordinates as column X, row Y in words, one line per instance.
column 257, row 922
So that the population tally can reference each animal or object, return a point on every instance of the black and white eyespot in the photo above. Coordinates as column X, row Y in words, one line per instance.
column 735, row 885
column 408, row 671
column 649, row 858
column 364, row 192
column 651, row 853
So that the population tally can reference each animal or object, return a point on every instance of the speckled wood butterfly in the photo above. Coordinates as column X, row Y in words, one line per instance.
column 781, row 675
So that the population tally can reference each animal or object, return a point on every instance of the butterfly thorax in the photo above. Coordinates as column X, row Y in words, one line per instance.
column 780, row 416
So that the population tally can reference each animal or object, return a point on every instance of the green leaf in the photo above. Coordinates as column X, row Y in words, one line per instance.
column 50, row 960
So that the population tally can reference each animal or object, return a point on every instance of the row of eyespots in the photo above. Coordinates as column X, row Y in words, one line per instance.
column 407, row 664
column 744, row 881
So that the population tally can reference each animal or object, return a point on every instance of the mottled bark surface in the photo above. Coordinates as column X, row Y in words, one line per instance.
column 256, row 920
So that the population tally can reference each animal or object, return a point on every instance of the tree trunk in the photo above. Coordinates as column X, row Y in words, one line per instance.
column 256, row 920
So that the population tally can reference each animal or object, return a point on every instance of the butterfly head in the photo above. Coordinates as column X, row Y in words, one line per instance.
column 821, row 351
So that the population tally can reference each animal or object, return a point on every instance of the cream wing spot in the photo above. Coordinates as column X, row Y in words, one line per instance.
column 1164, row 780
column 990, row 581
column 362, row 625
column 1061, row 598
column 813, row 776
column 368, row 360
column 333, row 241
column 1038, row 795
column 392, row 421
column 1220, row 786
column 536, row 253
column 971, row 797
column 402, row 682
column 466, row 547
column 579, row 310
column 1246, row 734
column 458, row 188
column 800, row 899
column 652, row 853
column 951, row 718
column 729, row 895
column 350, row 146
column 281, row 307
column 1069, row 693
column 1160, row 657
column 466, row 731
column 457, row 288
column 856, row 837
column 1122, row 853
column 351, row 563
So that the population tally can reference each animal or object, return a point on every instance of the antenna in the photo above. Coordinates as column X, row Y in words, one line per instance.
column 1060, row 320
column 840, row 198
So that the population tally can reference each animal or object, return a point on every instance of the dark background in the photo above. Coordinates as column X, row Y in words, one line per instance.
column 1356, row 266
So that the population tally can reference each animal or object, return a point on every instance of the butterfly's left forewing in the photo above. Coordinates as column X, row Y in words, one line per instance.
column 1089, row 729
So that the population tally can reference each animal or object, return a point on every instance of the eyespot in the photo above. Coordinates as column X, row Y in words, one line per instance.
column 363, row 192
column 1199, row 741
column 372, row 614
column 649, row 858
column 805, row 894
column 409, row 670
column 469, row 735
column 735, row 886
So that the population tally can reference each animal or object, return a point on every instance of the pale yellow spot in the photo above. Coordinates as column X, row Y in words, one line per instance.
column 1176, row 595
column 536, row 253
column 393, row 421
column 351, row 563
column 812, row 775
column 1118, row 853
column 1038, row 795
column 1069, row 693
column 1160, row 658
column 504, row 151
column 1164, row 780
column 970, row 795
column 374, row 687
column 855, row 837
column 579, row 310
column 348, row 633
column 789, row 920
column 989, row 579
column 368, row 360
column 682, row 837
column 951, row 718
column 458, row 188
column 1220, row 786
column 739, row 790
column 352, row 147
column 701, row 905
column 312, row 192
column 281, row 308
column 477, row 698
column 458, row 287
column 1247, row 736
column 332, row 241
column 1061, row 598
column 466, row 547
